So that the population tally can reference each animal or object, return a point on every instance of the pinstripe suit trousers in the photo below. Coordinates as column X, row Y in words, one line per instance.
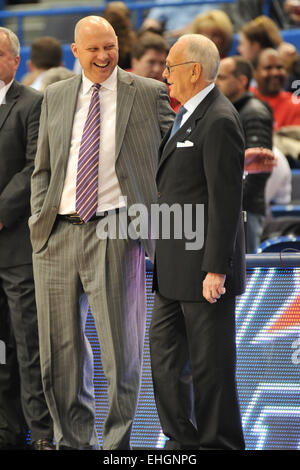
column 111, row 272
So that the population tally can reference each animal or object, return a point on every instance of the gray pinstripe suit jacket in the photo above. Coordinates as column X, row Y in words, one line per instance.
column 143, row 117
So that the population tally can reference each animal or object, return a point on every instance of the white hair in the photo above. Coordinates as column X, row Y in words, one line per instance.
column 13, row 40
column 204, row 51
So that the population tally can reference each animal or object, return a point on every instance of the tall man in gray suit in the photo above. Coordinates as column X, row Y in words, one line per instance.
column 79, row 175
column 21, row 391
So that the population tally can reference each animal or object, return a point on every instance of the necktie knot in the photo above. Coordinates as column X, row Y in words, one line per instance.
column 182, row 110
column 96, row 86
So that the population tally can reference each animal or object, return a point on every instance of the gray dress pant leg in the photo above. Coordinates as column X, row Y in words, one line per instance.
column 111, row 272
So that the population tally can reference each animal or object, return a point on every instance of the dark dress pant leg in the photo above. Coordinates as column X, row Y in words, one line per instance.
column 13, row 428
column 212, row 351
column 203, row 335
column 171, row 375
column 18, row 286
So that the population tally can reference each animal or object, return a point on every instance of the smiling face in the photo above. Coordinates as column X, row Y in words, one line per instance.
column 270, row 73
column 96, row 47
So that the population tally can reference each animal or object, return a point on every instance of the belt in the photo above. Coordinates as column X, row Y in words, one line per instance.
column 75, row 219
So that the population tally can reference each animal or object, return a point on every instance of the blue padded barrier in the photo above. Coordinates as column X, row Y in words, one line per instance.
column 280, row 243
column 273, row 260
column 289, row 210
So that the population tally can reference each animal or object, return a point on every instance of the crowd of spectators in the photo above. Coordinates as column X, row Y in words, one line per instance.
column 275, row 64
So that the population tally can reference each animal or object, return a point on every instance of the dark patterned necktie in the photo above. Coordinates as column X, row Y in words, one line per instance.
column 88, row 159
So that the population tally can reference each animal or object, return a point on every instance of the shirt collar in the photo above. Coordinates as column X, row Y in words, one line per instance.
column 110, row 83
column 193, row 102
column 3, row 91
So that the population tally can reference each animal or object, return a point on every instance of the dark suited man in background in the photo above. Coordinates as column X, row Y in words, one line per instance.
column 21, row 392
column 234, row 77
column 71, row 193
column 193, row 323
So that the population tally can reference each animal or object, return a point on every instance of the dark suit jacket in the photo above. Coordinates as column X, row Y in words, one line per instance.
column 19, row 121
column 257, row 121
column 210, row 173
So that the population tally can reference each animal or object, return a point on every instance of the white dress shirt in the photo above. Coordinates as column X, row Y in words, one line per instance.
column 37, row 83
column 193, row 102
column 3, row 90
column 109, row 191
column 279, row 184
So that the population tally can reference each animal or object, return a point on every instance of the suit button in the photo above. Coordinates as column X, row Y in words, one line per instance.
column 54, row 209
column 158, row 195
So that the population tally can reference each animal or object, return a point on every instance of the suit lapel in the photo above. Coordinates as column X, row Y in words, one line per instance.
column 68, row 111
column 11, row 99
column 125, row 97
column 168, row 147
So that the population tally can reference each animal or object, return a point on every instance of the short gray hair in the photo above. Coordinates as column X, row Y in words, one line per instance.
column 201, row 49
column 13, row 40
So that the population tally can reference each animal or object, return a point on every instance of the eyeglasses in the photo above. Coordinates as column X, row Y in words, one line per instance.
column 168, row 67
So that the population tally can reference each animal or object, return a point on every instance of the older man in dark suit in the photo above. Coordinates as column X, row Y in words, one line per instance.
column 192, row 333
column 21, row 392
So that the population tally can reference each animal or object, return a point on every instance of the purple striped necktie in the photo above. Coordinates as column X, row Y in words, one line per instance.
column 88, row 159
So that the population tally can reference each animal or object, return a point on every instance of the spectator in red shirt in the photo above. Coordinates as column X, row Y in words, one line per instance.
column 270, row 76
